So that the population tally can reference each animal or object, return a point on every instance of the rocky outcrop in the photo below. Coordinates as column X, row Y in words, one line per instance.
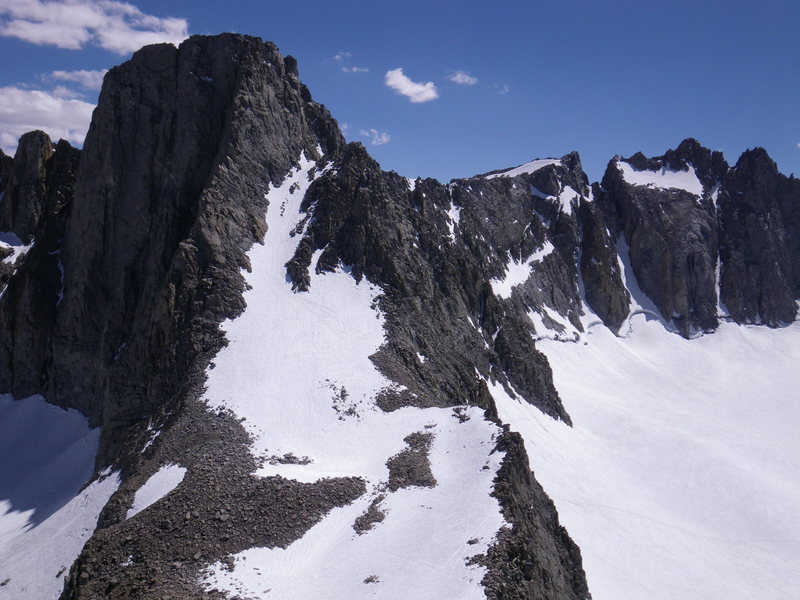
column 725, row 247
column 37, row 203
column 671, row 232
column 26, row 190
column 758, row 215
column 554, row 570
column 600, row 267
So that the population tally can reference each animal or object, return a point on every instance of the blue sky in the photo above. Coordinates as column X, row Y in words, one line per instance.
column 495, row 84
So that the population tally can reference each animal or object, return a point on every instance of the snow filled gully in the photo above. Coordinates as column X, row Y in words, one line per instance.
column 46, row 456
column 679, row 479
column 297, row 370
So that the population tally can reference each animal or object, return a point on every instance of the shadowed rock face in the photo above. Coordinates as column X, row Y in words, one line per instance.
column 26, row 190
column 672, row 235
column 735, row 244
column 169, row 192
column 759, row 227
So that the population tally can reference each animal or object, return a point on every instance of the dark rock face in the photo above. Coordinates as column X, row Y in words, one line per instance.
column 739, row 237
column 176, row 135
column 672, row 235
column 32, row 296
column 759, row 210
column 605, row 291
column 371, row 221
column 26, row 189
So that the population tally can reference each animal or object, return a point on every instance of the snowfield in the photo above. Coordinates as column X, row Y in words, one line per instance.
column 679, row 479
column 664, row 178
column 297, row 369
column 45, row 518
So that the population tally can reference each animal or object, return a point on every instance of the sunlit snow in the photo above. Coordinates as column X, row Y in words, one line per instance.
column 664, row 178
column 527, row 168
column 679, row 477
column 297, row 369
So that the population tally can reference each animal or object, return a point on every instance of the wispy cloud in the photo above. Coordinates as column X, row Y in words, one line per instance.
column 502, row 89
column 24, row 110
column 462, row 78
column 91, row 80
column 416, row 92
column 342, row 55
column 115, row 26
column 376, row 138
column 355, row 70
column 798, row 144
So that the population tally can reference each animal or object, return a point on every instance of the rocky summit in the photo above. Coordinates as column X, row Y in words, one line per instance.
column 298, row 369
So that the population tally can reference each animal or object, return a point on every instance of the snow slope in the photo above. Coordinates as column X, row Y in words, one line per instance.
column 679, row 477
column 297, row 369
column 45, row 518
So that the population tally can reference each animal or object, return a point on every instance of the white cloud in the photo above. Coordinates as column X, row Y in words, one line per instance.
column 798, row 145
column 25, row 110
column 502, row 89
column 416, row 92
column 377, row 138
column 342, row 55
column 463, row 78
column 91, row 80
column 355, row 70
column 116, row 26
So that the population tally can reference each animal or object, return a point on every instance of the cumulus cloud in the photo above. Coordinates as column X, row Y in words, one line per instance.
column 24, row 110
column 462, row 78
column 91, row 80
column 115, row 26
column 342, row 55
column 376, row 138
column 416, row 92
column 355, row 70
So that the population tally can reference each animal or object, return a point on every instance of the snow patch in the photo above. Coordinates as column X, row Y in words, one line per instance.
column 454, row 218
column 527, row 168
column 564, row 199
column 518, row 273
column 663, row 179
column 160, row 483
column 18, row 247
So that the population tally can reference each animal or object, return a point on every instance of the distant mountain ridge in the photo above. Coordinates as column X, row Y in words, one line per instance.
column 129, row 256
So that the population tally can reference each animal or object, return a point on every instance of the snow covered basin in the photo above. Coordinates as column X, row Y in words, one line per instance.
column 46, row 455
column 680, row 478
